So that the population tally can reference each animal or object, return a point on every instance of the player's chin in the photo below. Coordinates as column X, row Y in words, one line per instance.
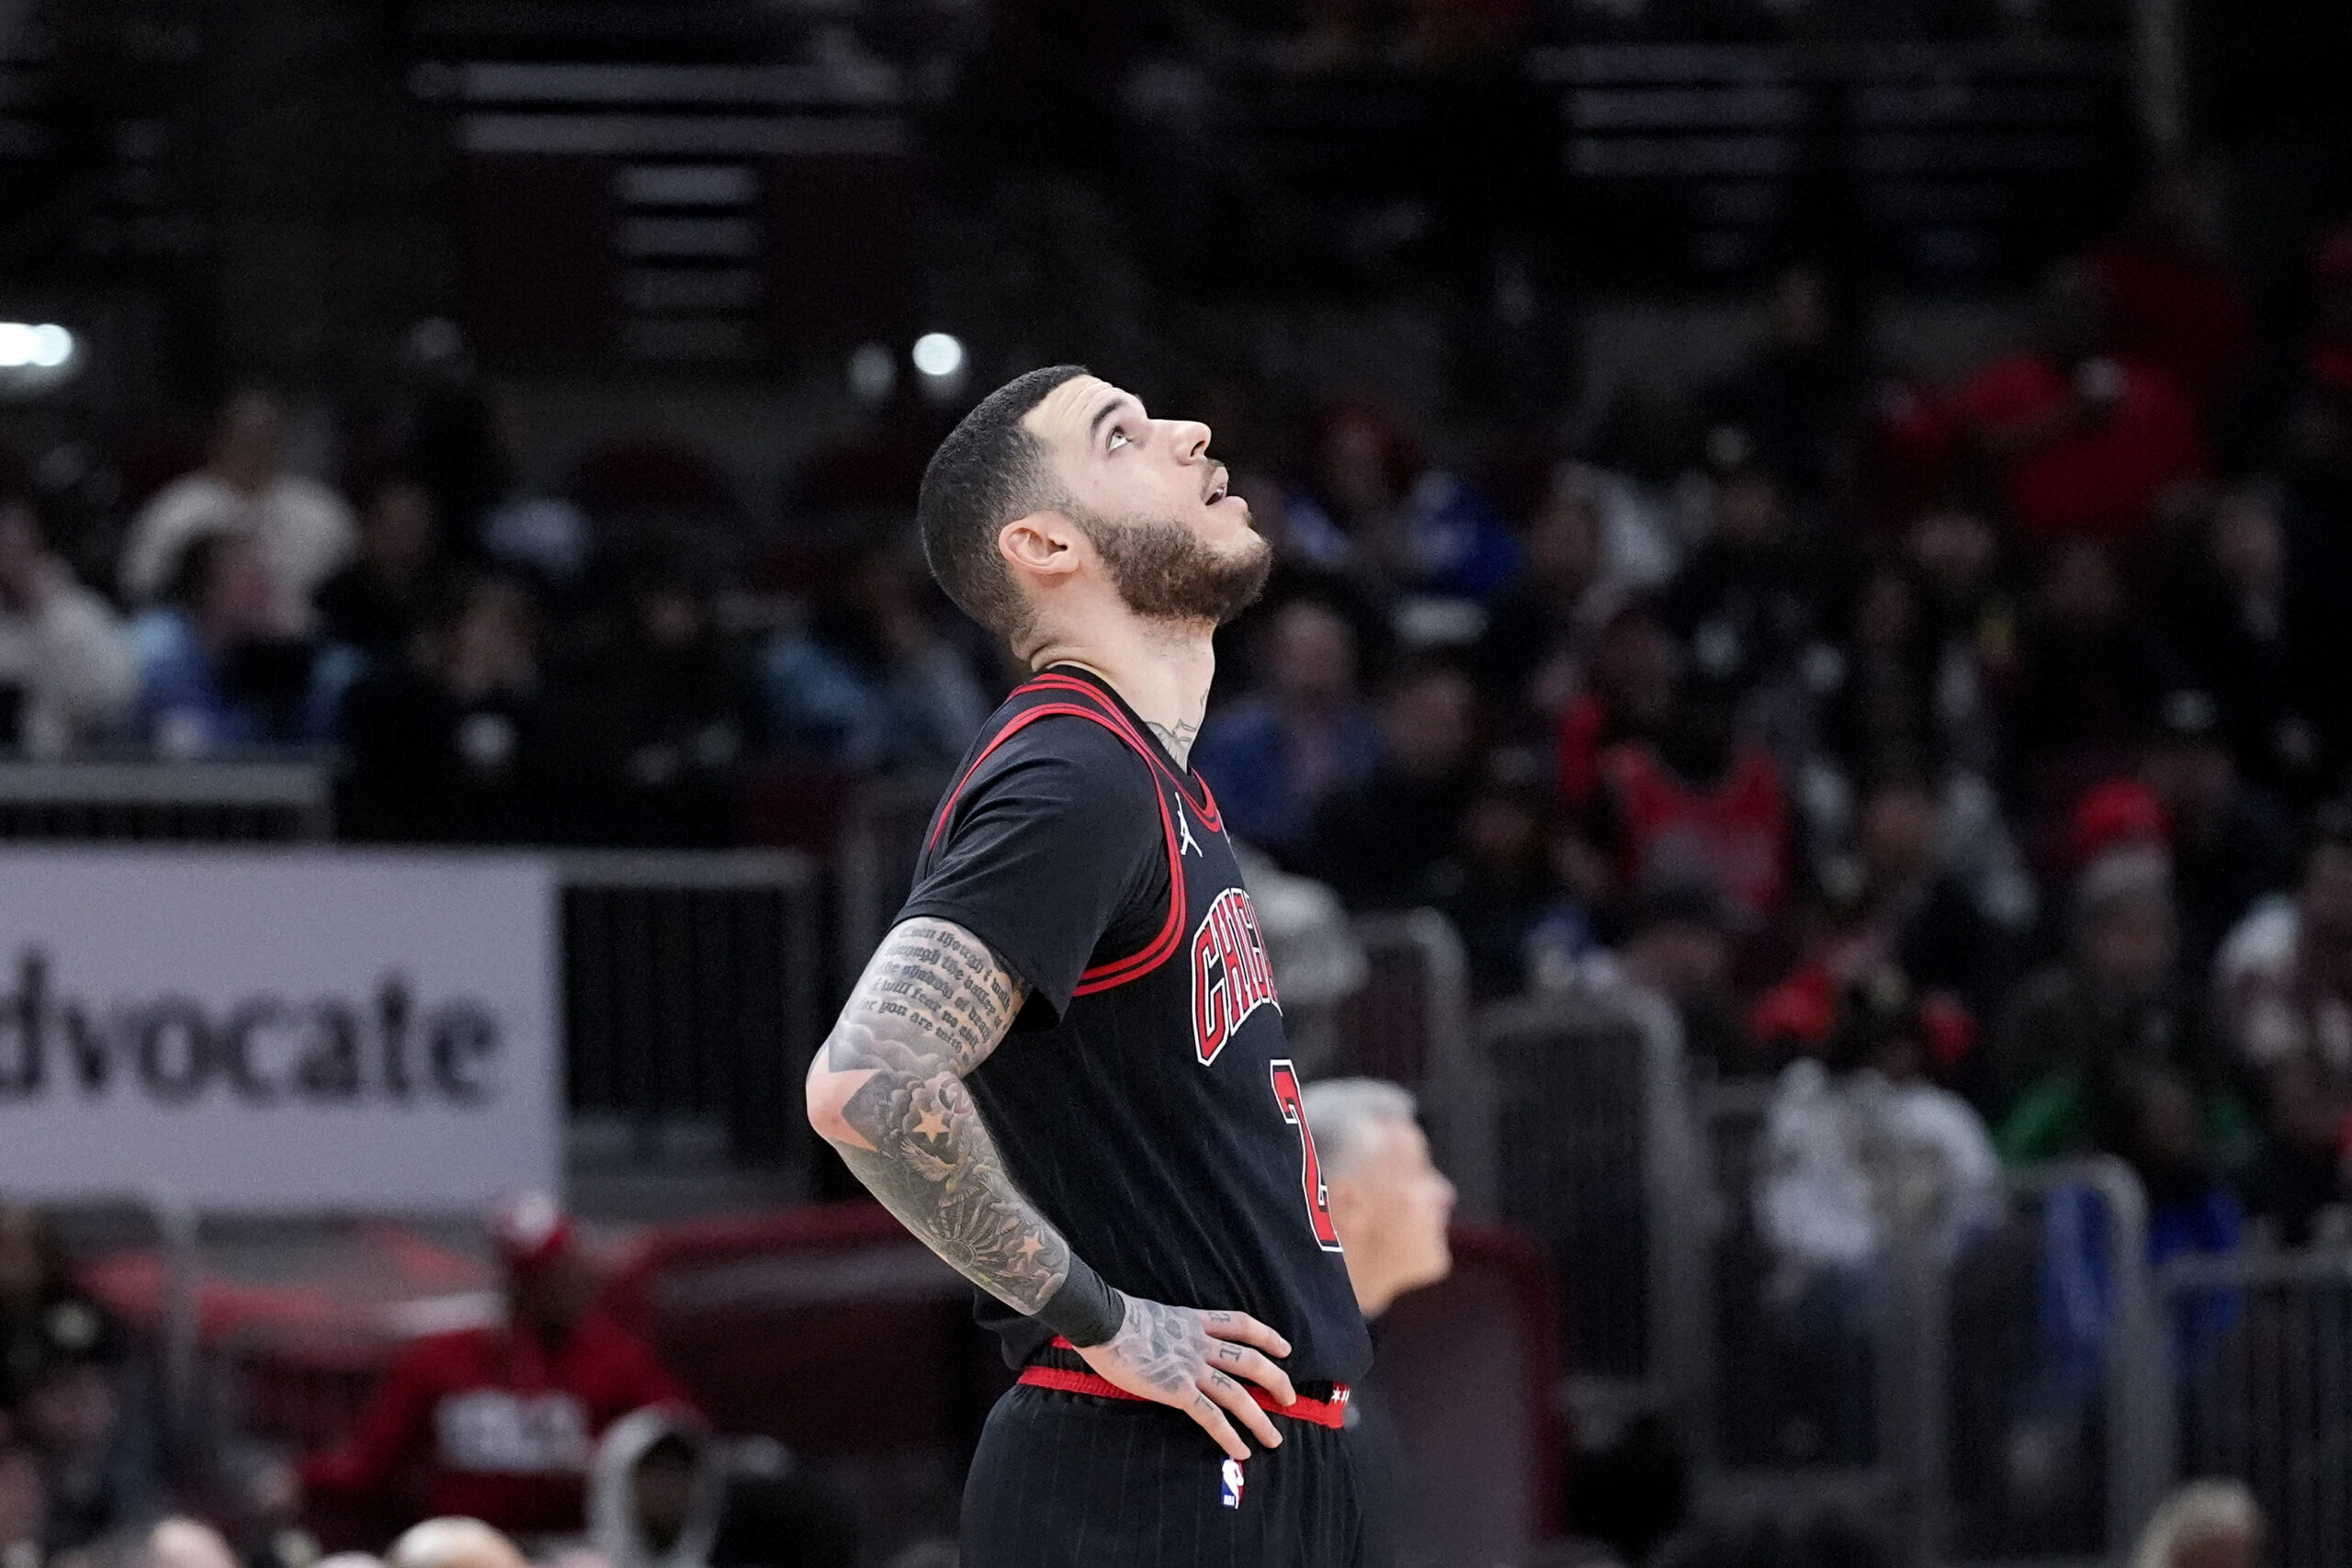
column 1235, row 540
column 1231, row 512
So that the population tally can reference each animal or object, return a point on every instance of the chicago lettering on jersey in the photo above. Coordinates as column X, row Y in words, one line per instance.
column 1231, row 978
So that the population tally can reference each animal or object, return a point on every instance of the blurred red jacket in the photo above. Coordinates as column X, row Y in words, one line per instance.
column 492, row 1424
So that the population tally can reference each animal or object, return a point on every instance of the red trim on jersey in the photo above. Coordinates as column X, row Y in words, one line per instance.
column 1163, row 946
column 1118, row 972
column 1013, row 726
column 1205, row 805
column 1332, row 1412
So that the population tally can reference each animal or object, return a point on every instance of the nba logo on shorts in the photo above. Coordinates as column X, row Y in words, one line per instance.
column 1233, row 1484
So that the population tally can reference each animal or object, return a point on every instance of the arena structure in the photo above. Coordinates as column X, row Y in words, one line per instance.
column 1800, row 711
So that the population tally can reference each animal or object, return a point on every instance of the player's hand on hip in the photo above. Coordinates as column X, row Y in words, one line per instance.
column 1195, row 1361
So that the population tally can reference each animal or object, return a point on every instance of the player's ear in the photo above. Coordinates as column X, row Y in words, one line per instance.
column 1041, row 542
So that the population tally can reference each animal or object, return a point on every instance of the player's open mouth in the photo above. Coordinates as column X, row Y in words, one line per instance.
column 1216, row 489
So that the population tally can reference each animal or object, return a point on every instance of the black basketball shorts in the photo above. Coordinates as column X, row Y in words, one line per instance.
column 1078, row 1481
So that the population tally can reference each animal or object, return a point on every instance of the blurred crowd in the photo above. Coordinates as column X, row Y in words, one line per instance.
column 1963, row 756
column 81, row 1451
column 552, row 1425
column 2013, row 704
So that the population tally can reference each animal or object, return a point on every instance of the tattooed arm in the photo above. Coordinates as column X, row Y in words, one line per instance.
column 887, row 1090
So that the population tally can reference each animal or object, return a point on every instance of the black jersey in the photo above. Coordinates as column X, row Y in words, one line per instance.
column 1144, row 1101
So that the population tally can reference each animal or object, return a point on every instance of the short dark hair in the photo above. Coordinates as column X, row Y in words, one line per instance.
column 988, row 472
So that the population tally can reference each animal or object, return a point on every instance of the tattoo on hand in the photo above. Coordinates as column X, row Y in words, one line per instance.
column 1162, row 1344
column 931, row 1006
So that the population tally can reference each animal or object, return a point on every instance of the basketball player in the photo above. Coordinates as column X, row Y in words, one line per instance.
column 1064, row 1069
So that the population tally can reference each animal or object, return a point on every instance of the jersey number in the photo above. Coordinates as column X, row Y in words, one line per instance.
column 1310, row 1169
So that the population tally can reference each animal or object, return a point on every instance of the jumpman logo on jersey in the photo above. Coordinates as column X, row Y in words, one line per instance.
column 1186, row 844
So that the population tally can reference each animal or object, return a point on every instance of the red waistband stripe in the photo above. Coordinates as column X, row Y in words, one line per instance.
column 1332, row 1412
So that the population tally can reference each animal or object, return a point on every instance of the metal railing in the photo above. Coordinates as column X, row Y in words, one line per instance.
column 2041, row 1438
column 1592, row 1155
column 1813, row 1385
column 1991, row 1404
column 2259, row 1352
column 691, row 999
column 272, row 801
column 1410, row 1022
column 875, row 862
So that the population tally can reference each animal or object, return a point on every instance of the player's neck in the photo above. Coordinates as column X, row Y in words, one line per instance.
column 1163, row 672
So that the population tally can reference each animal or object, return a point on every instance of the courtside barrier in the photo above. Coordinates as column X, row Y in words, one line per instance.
column 1592, row 1154
column 286, row 800
column 691, row 1001
column 1410, row 1022
column 2045, row 1445
column 2257, row 1352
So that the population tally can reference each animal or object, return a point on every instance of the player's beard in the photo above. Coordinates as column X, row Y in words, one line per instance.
column 1164, row 572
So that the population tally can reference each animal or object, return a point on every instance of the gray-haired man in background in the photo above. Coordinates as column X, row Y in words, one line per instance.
column 1390, row 1205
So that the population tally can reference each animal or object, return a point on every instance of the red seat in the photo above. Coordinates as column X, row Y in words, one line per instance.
column 1467, row 1367
column 827, row 1327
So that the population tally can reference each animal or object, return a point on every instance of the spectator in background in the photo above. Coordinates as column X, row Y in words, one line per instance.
column 2088, row 676
column 1909, row 910
column 1501, row 890
column 183, row 1542
column 2234, row 631
column 868, row 682
column 2106, row 1052
column 1275, row 756
column 453, row 1543
column 1635, row 677
column 1541, row 630
column 498, row 1424
column 1703, row 805
column 2172, row 299
column 1743, row 603
column 215, row 672
column 1378, row 842
column 1882, row 703
column 1390, row 1206
column 40, row 1305
column 100, row 1461
column 2284, row 976
column 1954, row 553
column 1799, row 390
column 2206, row 1524
column 68, row 675
column 2267, row 424
column 666, row 1492
column 1675, row 942
column 1389, row 1203
column 1862, row 1151
column 24, row 1506
column 2298, row 1174
column 454, row 744
column 2230, row 843
column 378, row 602
column 1645, row 452
column 2084, row 441
column 301, row 529
column 1377, row 509
column 673, row 712
column 657, row 1494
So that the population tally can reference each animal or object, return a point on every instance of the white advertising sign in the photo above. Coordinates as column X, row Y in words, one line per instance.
column 278, row 1031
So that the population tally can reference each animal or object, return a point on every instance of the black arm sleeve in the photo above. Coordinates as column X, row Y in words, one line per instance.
column 1054, row 854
